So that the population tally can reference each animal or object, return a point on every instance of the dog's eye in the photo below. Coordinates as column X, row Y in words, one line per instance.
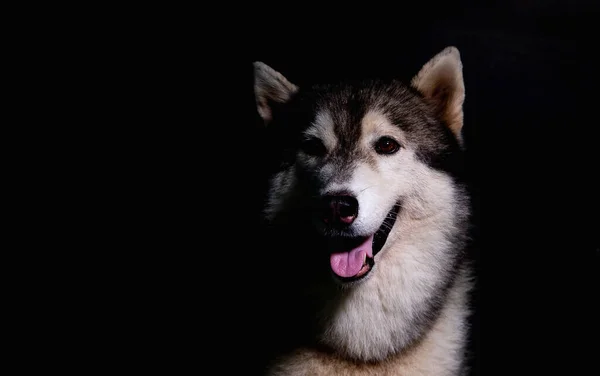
column 313, row 146
column 386, row 145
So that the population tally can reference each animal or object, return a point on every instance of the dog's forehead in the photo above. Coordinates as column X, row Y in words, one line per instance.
column 331, row 124
column 337, row 126
column 345, row 113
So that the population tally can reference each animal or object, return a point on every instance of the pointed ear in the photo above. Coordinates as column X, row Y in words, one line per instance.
column 441, row 82
column 270, row 87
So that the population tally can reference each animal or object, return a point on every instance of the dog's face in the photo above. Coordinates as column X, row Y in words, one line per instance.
column 357, row 154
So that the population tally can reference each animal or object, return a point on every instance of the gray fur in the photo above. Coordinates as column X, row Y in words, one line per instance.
column 407, row 316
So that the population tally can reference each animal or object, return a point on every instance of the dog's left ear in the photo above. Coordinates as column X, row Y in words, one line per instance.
column 270, row 87
column 441, row 82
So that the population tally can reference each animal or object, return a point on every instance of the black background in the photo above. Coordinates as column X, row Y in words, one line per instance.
column 531, row 82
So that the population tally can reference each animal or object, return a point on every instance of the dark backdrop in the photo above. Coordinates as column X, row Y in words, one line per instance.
column 530, row 122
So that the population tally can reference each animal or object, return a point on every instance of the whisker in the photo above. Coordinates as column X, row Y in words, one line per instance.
column 362, row 190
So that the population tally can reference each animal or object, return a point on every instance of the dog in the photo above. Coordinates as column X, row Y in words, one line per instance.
column 367, row 216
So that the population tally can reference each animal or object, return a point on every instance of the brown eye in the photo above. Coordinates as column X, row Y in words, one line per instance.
column 313, row 146
column 386, row 145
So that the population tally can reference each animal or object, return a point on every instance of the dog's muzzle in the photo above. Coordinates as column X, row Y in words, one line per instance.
column 351, row 255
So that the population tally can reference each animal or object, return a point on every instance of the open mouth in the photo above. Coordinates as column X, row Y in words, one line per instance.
column 353, row 258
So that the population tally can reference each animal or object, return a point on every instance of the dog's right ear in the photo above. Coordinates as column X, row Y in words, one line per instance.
column 270, row 87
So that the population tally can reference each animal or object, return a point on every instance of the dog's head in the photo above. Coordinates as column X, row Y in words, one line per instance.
column 353, row 156
column 365, row 189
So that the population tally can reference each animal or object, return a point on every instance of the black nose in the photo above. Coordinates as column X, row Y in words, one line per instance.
column 340, row 210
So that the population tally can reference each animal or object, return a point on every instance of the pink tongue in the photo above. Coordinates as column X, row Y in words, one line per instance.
column 348, row 264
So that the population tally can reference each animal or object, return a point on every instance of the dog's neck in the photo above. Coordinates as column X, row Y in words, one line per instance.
column 439, row 352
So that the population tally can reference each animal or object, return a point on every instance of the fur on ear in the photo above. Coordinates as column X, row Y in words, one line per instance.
column 440, row 80
column 270, row 87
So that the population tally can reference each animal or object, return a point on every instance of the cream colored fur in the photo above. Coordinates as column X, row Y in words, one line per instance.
column 438, row 353
column 369, row 328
